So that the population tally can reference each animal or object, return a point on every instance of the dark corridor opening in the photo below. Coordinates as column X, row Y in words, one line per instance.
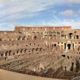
column 70, row 35
column 69, row 46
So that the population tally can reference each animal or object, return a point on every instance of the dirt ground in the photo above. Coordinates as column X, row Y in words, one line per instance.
column 7, row 75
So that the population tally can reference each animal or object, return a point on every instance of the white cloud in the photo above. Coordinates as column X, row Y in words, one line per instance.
column 6, row 26
column 13, row 10
column 73, row 1
column 16, row 9
column 67, row 13
column 70, row 14
column 65, row 22
column 69, row 1
column 25, row 5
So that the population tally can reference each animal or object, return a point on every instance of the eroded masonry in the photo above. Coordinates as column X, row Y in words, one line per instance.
column 40, row 48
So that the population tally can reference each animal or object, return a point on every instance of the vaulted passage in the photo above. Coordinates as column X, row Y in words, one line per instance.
column 69, row 46
column 70, row 35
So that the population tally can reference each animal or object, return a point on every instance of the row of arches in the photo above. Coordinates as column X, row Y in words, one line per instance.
column 75, row 36
column 11, row 52
column 19, row 51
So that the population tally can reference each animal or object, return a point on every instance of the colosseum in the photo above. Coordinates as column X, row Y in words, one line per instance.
column 47, row 51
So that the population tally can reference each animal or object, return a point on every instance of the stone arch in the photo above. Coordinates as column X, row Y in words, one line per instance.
column 21, row 50
column 78, row 48
column 69, row 46
column 6, row 53
column 70, row 35
column 0, row 39
column 1, row 54
column 35, row 37
column 19, row 37
column 33, row 49
column 72, row 66
column 23, row 38
column 24, row 50
column 13, row 53
column 17, row 51
column 10, row 53
column 54, row 45
column 40, row 49
column 36, row 49
column 77, row 36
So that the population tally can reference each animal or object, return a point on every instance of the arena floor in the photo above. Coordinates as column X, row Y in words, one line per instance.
column 7, row 75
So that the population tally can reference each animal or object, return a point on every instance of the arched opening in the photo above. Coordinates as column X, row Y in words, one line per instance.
column 70, row 35
column 19, row 38
column 23, row 38
column 10, row 53
column 35, row 37
column 13, row 53
column 1, row 55
column 64, row 45
column 77, row 37
column 40, row 49
column 55, row 45
column 17, row 51
column 72, row 66
column 6, row 53
column 69, row 46
column 21, row 50
column 78, row 48
column 0, row 39
column 25, row 50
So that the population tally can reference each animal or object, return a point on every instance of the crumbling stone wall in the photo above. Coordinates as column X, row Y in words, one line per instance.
column 37, row 40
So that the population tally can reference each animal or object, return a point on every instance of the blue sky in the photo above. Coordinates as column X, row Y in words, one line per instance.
column 39, row 12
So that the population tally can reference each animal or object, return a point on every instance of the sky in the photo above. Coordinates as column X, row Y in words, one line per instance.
column 39, row 12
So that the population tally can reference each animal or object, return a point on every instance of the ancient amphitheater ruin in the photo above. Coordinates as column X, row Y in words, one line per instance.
column 46, row 51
